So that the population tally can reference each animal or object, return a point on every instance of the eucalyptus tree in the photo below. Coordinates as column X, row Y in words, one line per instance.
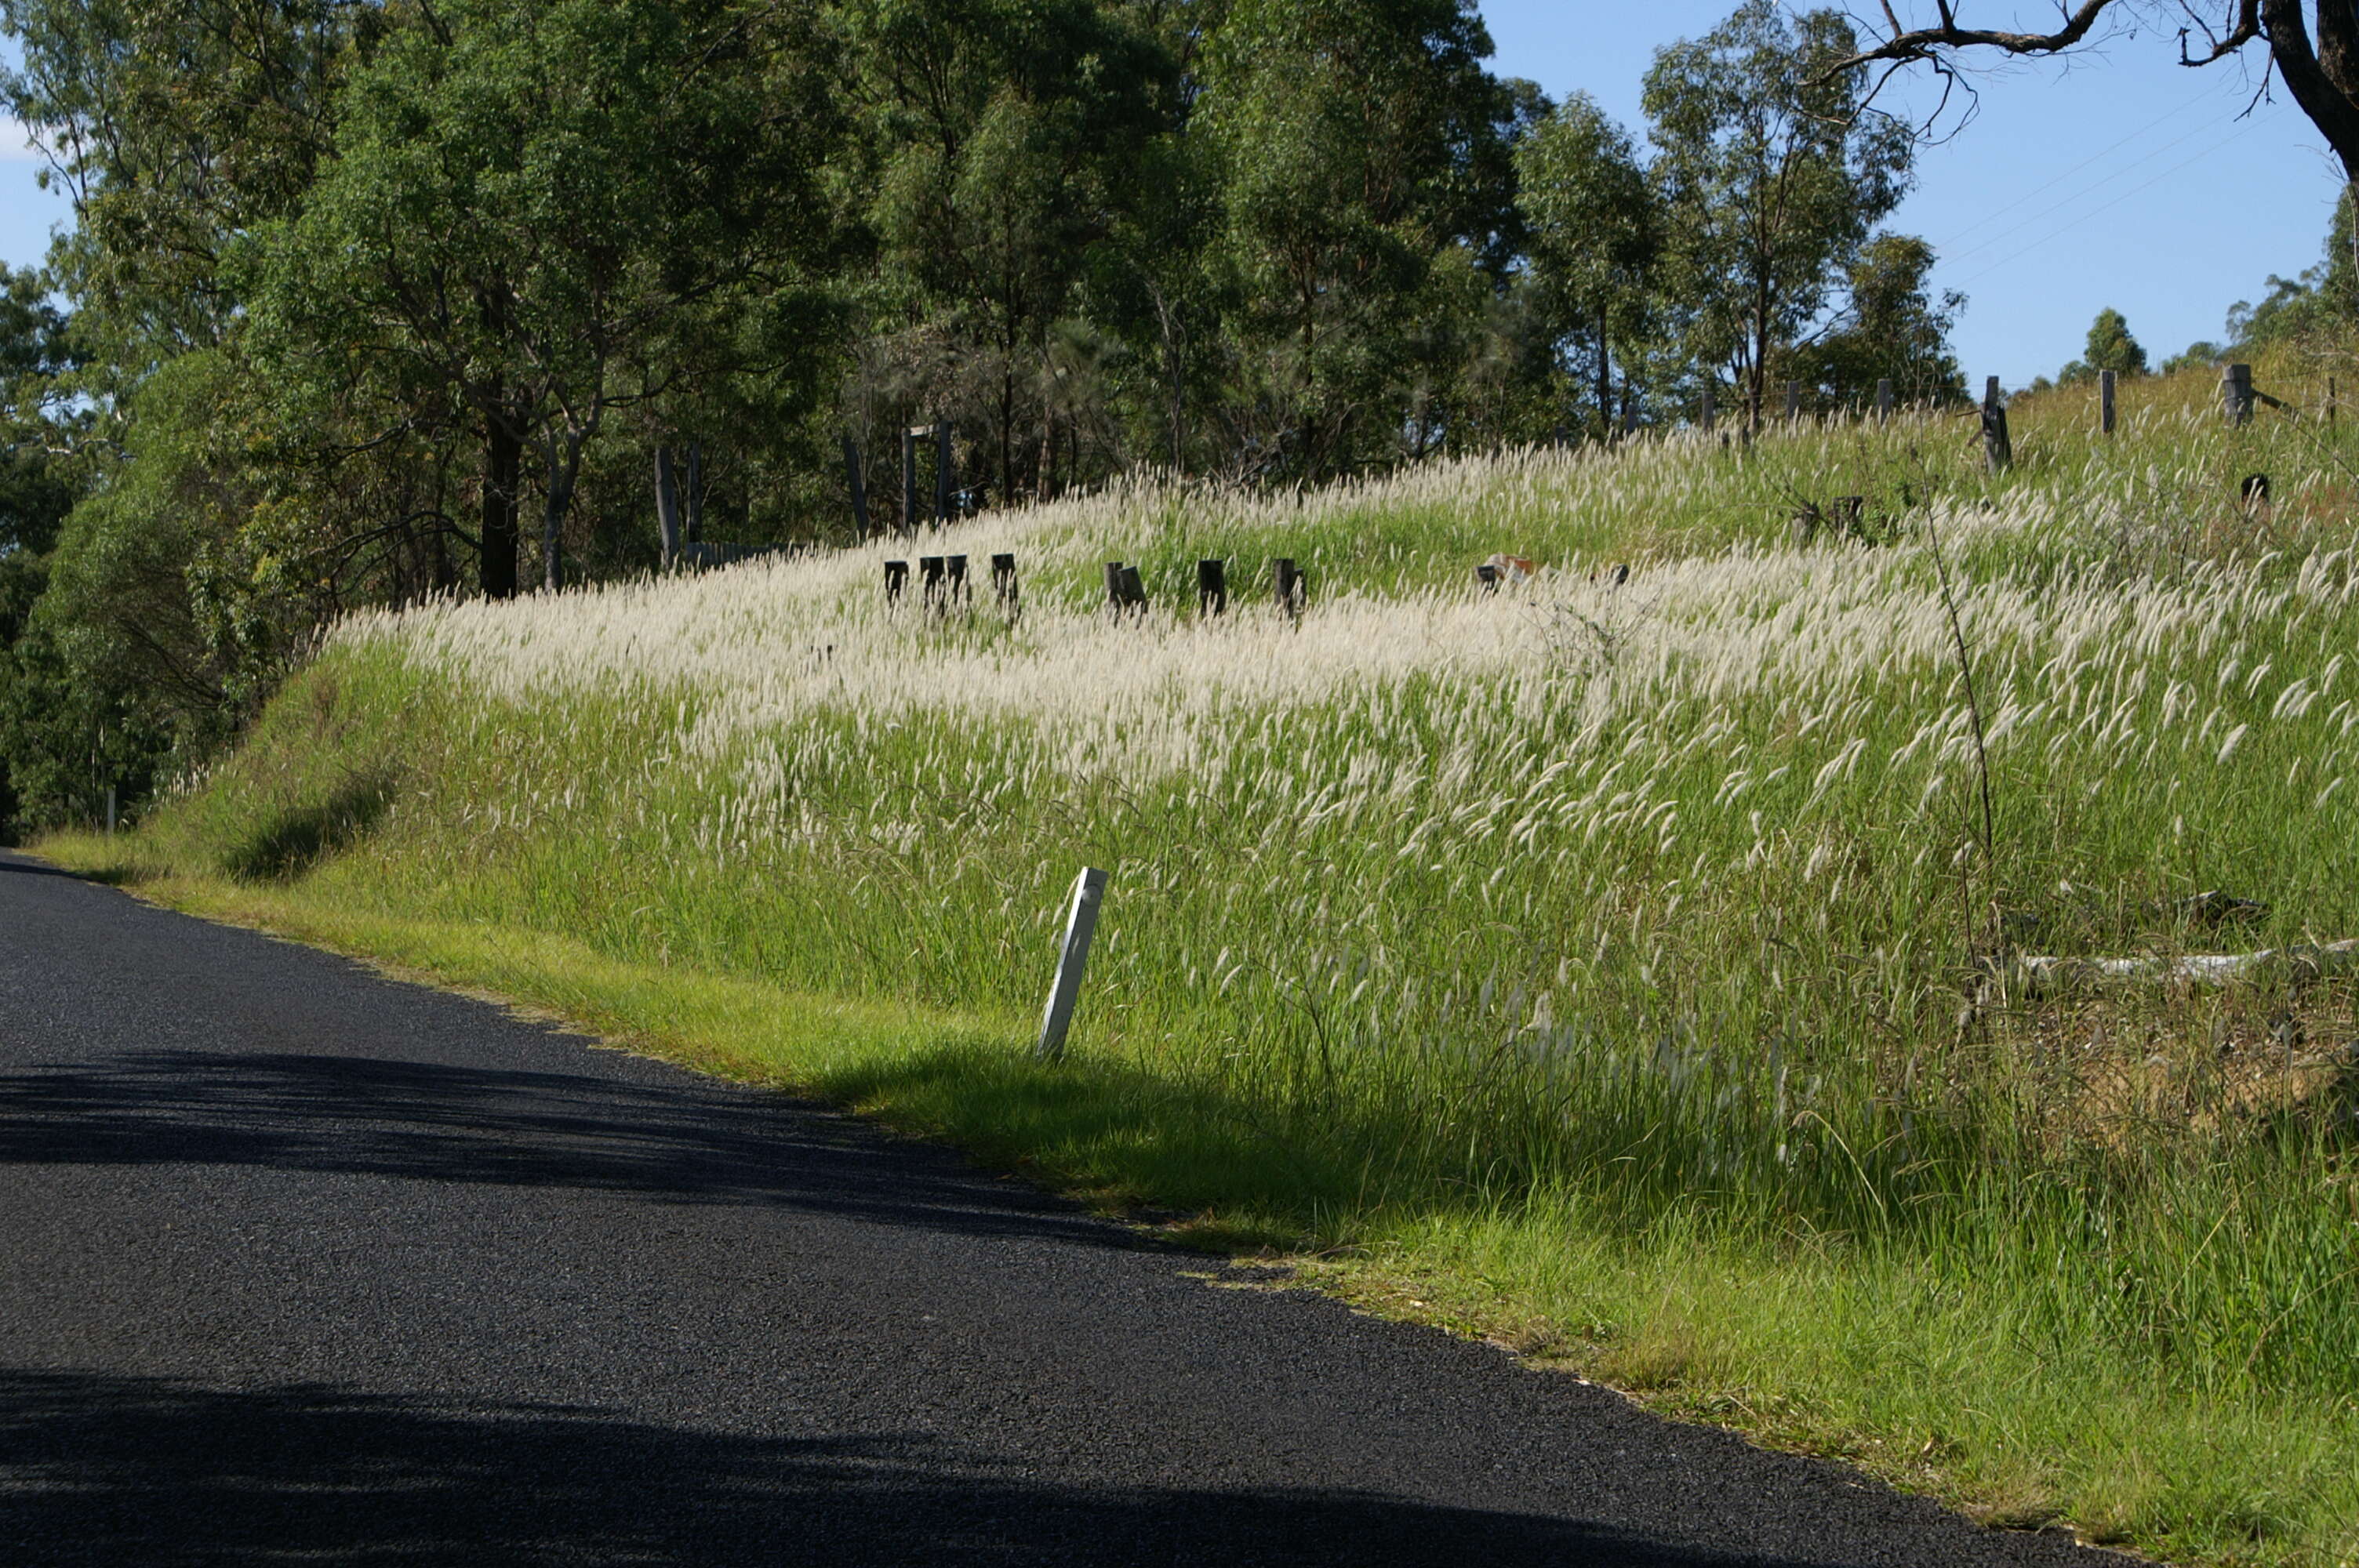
column 1358, row 140
column 1001, row 144
column 1773, row 172
column 1595, row 232
column 532, row 208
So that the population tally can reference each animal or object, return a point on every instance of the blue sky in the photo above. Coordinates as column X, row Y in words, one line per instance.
column 2119, row 179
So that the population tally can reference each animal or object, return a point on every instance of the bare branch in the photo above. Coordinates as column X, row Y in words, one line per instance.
column 1921, row 43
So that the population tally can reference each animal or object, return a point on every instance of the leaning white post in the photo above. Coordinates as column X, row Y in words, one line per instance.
column 1079, row 926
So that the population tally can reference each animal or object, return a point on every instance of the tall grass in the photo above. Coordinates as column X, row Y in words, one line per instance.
column 1616, row 966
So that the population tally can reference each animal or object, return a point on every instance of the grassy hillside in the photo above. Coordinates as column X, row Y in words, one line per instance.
column 1627, row 972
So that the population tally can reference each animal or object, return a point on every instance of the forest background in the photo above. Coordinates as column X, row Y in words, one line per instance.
column 368, row 302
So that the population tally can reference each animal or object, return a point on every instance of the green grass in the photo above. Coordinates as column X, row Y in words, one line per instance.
column 1603, row 972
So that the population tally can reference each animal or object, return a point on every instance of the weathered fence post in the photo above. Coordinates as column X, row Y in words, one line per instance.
column 1709, row 414
column 110, row 811
column 1134, row 591
column 945, row 471
column 1997, row 451
column 896, row 577
column 2236, row 394
column 1003, row 582
column 909, row 481
column 1793, row 401
column 929, row 579
column 859, row 482
column 1883, row 398
column 954, row 578
column 666, row 506
column 1116, row 595
column 1487, row 576
column 2105, row 381
column 1080, row 925
column 1212, row 587
column 1286, row 582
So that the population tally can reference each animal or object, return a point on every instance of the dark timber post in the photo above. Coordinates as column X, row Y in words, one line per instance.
column 859, row 483
column 1709, row 412
column 1285, row 584
column 667, row 506
column 1115, row 593
column 909, row 481
column 954, row 578
column 2236, row 394
column 896, row 577
column 1997, row 451
column 2105, row 381
column 1883, row 399
column 1003, row 582
column 1487, row 576
column 1212, row 587
column 929, row 579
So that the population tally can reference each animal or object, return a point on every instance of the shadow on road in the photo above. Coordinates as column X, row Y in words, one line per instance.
column 97, row 1469
column 676, row 1143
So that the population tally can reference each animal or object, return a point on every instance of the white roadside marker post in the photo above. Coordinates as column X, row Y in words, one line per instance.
column 1089, row 889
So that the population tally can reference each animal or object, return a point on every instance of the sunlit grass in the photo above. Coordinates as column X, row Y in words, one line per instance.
column 1614, row 970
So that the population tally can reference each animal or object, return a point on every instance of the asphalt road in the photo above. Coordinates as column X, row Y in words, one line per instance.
column 299, row 1264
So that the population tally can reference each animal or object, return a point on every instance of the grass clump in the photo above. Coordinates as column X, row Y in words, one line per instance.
column 1617, row 970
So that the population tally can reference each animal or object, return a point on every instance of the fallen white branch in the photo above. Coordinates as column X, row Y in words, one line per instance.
column 2304, row 961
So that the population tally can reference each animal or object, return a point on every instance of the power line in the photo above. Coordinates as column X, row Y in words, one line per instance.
column 2121, row 173
column 1992, row 217
column 2095, row 211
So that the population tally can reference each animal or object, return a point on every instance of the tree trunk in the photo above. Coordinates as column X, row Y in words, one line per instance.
column 560, row 498
column 503, row 455
column 1604, row 384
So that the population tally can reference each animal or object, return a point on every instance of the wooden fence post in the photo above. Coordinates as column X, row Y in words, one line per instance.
column 1709, row 411
column 929, row 579
column 1883, row 398
column 1115, row 597
column 1212, row 587
column 1003, row 582
column 110, row 811
column 1487, row 576
column 1287, row 584
column 858, row 481
column 896, row 577
column 954, row 578
column 666, row 506
column 1793, row 401
column 2236, row 394
column 1998, row 452
column 2105, row 381
column 1073, row 958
